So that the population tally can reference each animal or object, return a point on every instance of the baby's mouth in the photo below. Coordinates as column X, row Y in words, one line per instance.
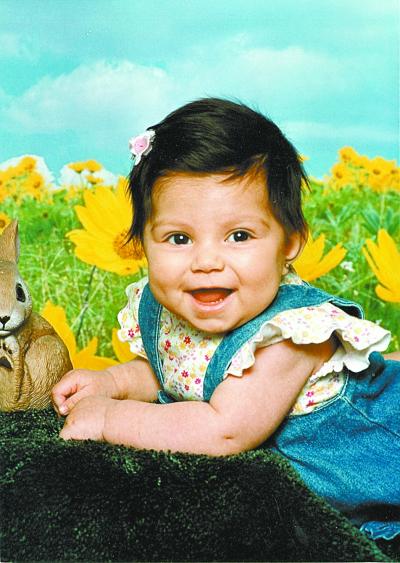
column 211, row 295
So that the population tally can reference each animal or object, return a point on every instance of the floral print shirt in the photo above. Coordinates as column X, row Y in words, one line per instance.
column 186, row 351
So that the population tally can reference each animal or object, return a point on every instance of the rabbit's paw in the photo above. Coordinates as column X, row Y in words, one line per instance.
column 8, row 350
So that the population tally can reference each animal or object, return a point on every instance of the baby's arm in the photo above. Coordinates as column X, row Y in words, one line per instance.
column 242, row 413
column 392, row 356
column 132, row 380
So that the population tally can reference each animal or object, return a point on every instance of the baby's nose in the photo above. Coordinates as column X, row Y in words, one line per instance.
column 207, row 259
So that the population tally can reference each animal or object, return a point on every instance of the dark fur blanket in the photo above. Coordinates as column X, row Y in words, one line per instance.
column 87, row 501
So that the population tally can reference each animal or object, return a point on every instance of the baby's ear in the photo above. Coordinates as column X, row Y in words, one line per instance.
column 9, row 243
column 294, row 245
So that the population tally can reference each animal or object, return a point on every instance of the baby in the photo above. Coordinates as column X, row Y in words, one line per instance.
column 233, row 349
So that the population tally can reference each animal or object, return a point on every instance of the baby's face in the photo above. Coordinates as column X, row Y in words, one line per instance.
column 216, row 253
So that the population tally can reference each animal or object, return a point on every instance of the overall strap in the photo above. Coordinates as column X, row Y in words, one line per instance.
column 149, row 322
column 288, row 297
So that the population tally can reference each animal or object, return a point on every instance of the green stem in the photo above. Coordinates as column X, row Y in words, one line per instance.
column 85, row 302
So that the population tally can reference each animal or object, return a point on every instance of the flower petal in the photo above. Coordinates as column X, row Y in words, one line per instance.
column 86, row 358
column 311, row 264
column 121, row 349
column 55, row 315
column 383, row 258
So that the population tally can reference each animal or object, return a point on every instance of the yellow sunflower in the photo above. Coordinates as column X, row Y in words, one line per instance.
column 106, row 218
column 7, row 181
column 381, row 173
column 349, row 155
column 359, row 170
column 342, row 175
column 89, row 165
column 4, row 221
column 383, row 258
column 394, row 178
column 3, row 190
column 83, row 359
column 311, row 264
column 121, row 349
column 25, row 176
column 94, row 180
column 27, row 164
column 35, row 185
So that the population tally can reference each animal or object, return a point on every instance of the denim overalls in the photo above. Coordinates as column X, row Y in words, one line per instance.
column 348, row 449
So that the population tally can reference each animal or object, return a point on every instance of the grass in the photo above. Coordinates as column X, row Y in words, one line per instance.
column 92, row 297
column 350, row 217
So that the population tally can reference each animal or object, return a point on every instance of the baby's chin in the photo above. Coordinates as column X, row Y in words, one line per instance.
column 211, row 326
column 214, row 326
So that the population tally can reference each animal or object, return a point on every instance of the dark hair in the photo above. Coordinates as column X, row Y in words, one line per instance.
column 213, row 135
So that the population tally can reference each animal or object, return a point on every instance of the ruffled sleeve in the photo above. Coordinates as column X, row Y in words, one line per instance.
column 128, row 318
column 306, row 325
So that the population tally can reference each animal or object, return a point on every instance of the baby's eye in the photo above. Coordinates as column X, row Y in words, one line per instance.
column 239, row 236
column 179, row 238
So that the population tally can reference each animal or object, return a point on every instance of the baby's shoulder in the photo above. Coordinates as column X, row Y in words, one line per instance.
column 134, row 290
column 129, row 315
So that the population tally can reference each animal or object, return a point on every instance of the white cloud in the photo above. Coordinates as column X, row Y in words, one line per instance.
column 105, row 94
column 90, row 98
column 276, row 76
column 292, row 71
column 340, row 133
column 105, row 103
column 40, row 166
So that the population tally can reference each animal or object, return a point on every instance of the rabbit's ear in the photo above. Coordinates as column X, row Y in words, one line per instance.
column 9, row 243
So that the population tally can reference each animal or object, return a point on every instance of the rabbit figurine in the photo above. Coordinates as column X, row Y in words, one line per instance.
column 32, row 356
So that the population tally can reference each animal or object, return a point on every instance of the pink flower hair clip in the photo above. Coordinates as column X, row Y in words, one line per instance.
column 141, row 145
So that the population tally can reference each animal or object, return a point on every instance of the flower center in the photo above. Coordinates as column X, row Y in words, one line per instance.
column 127, row 250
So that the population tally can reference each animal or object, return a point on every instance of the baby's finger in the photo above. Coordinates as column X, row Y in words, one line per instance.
column 75, row 430
column 66, row 432
column 63, row 389
column 66, row 407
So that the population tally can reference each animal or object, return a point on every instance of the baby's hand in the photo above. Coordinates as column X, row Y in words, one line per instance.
column 86, row 420
column 80, row 383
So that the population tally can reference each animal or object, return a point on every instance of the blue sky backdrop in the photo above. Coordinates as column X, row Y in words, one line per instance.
column 78, row 78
